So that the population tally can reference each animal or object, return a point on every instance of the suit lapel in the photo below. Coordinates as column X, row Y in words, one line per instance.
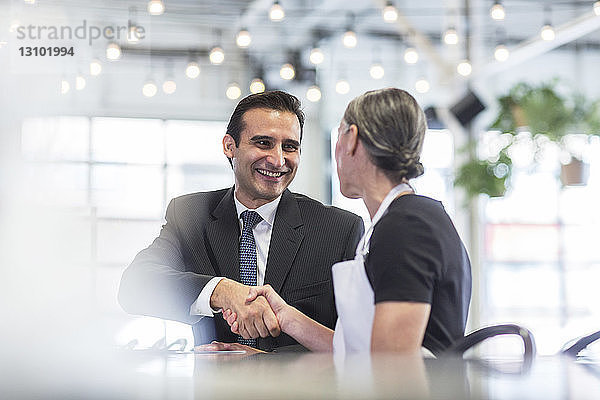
column 223, row 235
column 285, row 241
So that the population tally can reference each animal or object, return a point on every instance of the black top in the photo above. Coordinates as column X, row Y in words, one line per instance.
column 416, row 255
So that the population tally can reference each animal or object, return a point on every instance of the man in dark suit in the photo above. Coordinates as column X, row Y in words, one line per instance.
column 192, row 270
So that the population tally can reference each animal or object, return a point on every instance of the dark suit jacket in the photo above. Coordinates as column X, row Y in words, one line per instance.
column 200, row 240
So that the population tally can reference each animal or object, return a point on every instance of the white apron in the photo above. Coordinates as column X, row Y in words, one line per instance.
column 354, row 297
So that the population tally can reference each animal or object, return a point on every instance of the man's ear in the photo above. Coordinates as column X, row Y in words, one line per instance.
column 229, row 146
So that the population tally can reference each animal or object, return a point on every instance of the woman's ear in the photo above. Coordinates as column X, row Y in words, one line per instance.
column 229, row 146
column 352, row 140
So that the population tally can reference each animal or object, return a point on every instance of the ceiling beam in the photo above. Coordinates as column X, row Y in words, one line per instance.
column 421, row 42
column 535, row 46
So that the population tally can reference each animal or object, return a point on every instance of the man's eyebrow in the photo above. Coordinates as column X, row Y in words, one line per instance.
column 260, row 137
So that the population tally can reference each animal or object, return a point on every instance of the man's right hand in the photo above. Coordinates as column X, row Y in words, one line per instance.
column 255, row 318
column 281, row 309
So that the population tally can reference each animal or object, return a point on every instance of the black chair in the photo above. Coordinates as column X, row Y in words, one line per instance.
column 460, row 346
column 573, row 349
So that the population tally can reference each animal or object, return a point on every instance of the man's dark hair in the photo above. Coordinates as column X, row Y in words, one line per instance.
column 272, row 100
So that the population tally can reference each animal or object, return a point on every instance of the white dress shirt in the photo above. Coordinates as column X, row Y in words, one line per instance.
column 262, row 237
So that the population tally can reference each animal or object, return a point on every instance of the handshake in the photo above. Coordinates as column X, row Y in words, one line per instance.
column 251, row 311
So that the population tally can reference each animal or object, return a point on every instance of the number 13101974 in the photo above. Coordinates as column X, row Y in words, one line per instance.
column 46, row 51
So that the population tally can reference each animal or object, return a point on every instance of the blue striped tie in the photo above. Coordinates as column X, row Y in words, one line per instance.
column 248, row 265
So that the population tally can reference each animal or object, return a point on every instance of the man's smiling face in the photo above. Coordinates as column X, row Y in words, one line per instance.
column 267, row 158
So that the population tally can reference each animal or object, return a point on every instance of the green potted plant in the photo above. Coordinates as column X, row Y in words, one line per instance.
column 541, row 110
column 488, row 176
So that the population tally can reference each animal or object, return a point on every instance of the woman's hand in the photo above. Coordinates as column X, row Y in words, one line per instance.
column 278, row 305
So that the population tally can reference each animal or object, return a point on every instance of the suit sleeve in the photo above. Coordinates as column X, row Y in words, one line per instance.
column 356, row 233
column 156, row 283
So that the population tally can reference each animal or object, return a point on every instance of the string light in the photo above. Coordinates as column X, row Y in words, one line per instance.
column 133, row 35
column 276, row 12
column 257, row 86
column 95, row 67
column 547, row 33
column 14, row 26
column 497, row 11
column 243, row 38
column 316, row 56
column 450, row 36
column 422, row 86
column 169, row 86
column 113, row 51
column 390, row 14
column 313, row 94
column 501, row 53
column 192, row 70
column 376, row 71
column 216, row 56
column 64, row 86
column 156, row 7
column 149, row 89
column 464, row 68
column 287, row 72
column 342, row 86
column 411, row 56
column 79, row 82
column 349, row 39
column 233, row 91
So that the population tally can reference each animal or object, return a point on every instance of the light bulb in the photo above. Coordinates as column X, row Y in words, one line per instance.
column 276, row 12
column 149, row 89
column 14, row 26
column 64, row 86
column 243, row 39
column 464, row 68
column 376, row 71
column 257, row 86
column 216, row 56
column 342, row 86
column 113, row 51
column 450, row 36
column 79, row 82
column 316, row 56
column 411, row 56
column 349, row 39
column 422, row 86
column 95, row 67
column 233, row 91
column 390, row 14
column 501, row 53
column 169, row 86
column 547, row 32
column 132, row 35
column 287, row 72
column 192, row 70
column 313, row 94
column 597, row 8
column 497, row 12
column 156, row 7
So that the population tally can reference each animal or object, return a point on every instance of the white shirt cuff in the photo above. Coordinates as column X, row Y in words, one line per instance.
column 202, row 304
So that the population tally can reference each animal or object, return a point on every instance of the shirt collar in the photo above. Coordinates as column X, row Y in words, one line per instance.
column 266, row 211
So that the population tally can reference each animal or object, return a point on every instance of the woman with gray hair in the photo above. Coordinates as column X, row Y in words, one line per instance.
column 409, row 286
